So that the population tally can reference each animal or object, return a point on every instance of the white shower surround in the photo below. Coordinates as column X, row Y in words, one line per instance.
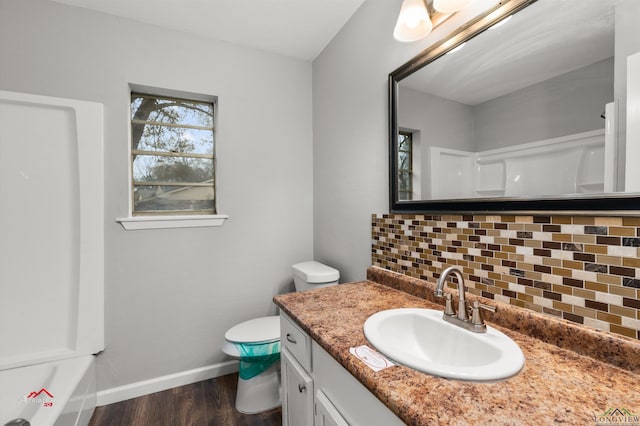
column 51, row 257
column 573, row 164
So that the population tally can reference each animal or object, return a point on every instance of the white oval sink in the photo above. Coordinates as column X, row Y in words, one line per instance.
column 421, row 339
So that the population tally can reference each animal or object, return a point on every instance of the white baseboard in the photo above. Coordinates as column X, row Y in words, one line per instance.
column 157, row 384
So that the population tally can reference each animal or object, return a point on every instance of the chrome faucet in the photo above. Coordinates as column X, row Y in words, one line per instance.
column 476, row 323
column 462, row 302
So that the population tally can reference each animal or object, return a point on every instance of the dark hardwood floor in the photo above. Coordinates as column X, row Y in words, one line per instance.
column 211, row 402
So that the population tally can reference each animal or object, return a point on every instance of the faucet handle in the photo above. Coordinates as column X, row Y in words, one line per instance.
column 448, row 308
column 476, row 316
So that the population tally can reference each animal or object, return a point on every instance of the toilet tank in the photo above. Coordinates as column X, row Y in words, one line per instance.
column 312, row 274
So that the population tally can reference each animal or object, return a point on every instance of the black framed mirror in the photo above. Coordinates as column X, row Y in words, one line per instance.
column 569, row 158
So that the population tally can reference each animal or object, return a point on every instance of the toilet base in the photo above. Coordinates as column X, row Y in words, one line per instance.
column 260, row 393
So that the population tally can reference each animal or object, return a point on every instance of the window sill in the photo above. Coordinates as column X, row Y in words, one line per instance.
column 167, row 222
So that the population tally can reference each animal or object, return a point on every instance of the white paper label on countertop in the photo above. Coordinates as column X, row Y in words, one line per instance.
column 371, row 358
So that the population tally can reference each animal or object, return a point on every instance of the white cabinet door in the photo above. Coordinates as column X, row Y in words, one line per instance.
column 297, row 397
column 326, row 413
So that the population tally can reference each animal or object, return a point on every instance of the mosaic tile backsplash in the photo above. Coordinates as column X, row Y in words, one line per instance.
column 583, row 269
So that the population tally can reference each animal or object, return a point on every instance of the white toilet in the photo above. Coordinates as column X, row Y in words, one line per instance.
column 257, row 344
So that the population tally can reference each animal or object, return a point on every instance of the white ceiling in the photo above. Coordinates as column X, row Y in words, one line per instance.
column 296, row 28
column 548, row 38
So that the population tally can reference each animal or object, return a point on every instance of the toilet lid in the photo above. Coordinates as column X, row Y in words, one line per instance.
column 315, row 272
column 263, row 329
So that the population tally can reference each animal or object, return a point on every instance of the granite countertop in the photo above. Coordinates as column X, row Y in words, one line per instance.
column 556, row 385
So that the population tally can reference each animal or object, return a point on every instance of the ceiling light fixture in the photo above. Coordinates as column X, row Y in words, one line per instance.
column 450, row 6
column 414, row 21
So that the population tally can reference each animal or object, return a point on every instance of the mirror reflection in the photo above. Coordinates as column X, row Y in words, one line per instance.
column 532, row 107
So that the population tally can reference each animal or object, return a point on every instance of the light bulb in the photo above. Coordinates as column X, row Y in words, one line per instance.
column 413, row 21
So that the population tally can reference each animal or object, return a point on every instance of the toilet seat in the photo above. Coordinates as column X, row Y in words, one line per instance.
column 256, row 331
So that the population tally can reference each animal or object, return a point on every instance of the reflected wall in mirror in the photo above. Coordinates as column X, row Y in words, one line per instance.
column 523, row 108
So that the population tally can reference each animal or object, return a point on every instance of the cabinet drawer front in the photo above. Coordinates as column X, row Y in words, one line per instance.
column 296, row 341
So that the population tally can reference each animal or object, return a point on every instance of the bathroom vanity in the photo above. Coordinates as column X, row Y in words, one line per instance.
column 572, row 374
column 310, row 375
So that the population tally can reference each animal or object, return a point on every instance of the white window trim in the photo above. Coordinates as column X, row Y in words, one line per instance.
column 166, row 222
column 134, row 223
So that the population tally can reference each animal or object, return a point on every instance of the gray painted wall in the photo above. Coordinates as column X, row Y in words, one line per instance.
column 447, row 123
column 439, row 122
column 563, row 105
column 172, row 294
column 350, row 132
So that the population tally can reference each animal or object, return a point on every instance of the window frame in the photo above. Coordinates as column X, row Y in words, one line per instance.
column 409, row 172
column 172, row 218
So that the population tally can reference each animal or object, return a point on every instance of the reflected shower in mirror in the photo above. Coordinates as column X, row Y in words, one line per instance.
column 528, row 109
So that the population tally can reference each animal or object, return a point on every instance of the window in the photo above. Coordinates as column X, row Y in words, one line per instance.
column 172, row 156
column 405, row 174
